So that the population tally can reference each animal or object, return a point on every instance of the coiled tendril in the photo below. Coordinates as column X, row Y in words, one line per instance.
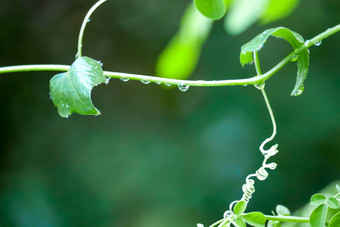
column 261, row 174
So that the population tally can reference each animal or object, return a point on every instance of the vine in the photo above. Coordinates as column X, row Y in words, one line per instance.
column 71, row 92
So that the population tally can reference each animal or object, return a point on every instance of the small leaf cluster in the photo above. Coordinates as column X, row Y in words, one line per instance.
column 240, row 219
column 327, row 210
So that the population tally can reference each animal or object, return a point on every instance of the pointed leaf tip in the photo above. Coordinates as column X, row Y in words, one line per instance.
column 71, row 91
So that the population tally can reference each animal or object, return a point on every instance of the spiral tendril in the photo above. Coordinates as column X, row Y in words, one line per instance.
column 261, row 174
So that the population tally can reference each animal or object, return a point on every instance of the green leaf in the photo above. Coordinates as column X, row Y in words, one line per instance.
column 256, row 219
column 318, row 216
column 242, row 14
column 335, row 221
column 213, row 9
column 240, row 222
column 180, row 57
column 333, row 203
column 282, row 210
column 71, row 91
column 278, row 9
column 303, row 66
column 317, row 199
column 240, row 207
column 295, row 41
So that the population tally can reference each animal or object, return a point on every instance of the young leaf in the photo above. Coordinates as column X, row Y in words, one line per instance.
column 282, row 210
column 213, row 9
column 278, row 9
column 240, row 207
column 333, row 203
column 317, row 199
column 335, row 221
column 240, row 222
column 242, row 14
column 256, row 219
column 295, row 41
column 179, row 59
column 71, row 91
column 318, row 216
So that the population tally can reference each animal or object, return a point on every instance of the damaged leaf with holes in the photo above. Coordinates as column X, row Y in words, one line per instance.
column 71, row 91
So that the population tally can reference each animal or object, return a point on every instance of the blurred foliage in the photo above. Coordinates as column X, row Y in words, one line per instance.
column 181, row 55
column 157, row 157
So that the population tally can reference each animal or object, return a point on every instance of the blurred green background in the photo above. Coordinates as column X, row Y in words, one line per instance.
column 158, row 157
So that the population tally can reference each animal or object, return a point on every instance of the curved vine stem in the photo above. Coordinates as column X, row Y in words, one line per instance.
column 200, row 83
column 83, row 26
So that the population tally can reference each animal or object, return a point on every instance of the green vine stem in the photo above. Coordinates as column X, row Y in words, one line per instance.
column 258, row 79
column 287, row 219
column 274, row 218
column 83, row 26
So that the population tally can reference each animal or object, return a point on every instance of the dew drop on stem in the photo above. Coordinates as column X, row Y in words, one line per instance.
column 88, row 20
column 183, row 87
column 124, row 79
column 168, row 85
column 107, row 80
column 145, row 81
column 294, row 58
column 260, row 86
column 317, row 43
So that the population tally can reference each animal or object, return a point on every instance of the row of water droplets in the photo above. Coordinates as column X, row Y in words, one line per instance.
column 181, row 86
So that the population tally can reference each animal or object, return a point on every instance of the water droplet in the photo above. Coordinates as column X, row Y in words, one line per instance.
column 67, row 106
column 158, row 83
column 124, row 79
column 245, row 85
column 200, row 225
column 77, row 56
column 299, row 91
column 88, row 20
column 317, row 43
column 260, row 86
column 272, row 165
column 294, row 58
column 183, row 87
column 107, row 80
column 261, row 173
column 166, row 84
column 145, row 81
column 100, row 63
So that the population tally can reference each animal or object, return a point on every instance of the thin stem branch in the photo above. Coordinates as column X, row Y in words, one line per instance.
column 271, row 117
column 200, row 83
column 257, row 63
column 287, row 219
column 83, row 26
